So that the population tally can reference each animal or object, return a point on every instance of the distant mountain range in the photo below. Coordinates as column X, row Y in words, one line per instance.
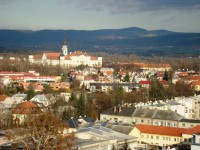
column 124, row 41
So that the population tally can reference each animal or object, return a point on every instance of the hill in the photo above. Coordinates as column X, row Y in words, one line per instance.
column 124, row 41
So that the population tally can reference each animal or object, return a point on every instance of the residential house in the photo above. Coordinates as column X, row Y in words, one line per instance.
column 59, row 86
column 22, row 110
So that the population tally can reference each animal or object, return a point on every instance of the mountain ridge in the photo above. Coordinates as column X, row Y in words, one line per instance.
column 132, row 40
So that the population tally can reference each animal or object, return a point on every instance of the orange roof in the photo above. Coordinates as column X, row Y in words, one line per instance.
column 52, row 55
column 38, row 56
column 197, row 77
column 161, row 130
column 3, row 97
column 93, row 58
column 26, row 108
column 195, row 82
column 193, row 130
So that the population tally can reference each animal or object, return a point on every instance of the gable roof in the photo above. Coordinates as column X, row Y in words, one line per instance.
column 193, row 130
column 126, row 111
column 161, row 130
column 54, row 56
column 26, row 108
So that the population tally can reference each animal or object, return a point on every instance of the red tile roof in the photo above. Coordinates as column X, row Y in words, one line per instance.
column 26, row 108
column 52, row 55
column 3, row 97
column 193, row 130
column 195, row 82
column 161, row 130
column 38, row 56
column 145, row 82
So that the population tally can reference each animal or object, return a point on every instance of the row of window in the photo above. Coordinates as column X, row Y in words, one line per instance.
column 165, row 138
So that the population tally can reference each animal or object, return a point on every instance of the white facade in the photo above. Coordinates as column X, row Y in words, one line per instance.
column 66, row 60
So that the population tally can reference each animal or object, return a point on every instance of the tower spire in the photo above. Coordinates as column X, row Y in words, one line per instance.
column 64, row 47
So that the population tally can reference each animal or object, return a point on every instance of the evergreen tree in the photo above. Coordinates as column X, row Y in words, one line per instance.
column 166, row 76
column 81, row 106
column 126, row 78
column 30, row 93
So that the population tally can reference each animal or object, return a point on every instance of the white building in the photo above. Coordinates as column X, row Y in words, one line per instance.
column 66, row 60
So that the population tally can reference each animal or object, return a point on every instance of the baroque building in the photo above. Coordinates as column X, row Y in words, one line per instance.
column 66, row 59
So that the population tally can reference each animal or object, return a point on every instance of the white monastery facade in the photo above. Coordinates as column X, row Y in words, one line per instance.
column 64, row 59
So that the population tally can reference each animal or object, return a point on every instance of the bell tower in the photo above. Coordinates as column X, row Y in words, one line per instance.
column 64, row 47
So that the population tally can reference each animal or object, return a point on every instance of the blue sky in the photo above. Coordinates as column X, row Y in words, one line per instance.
column 174, row 15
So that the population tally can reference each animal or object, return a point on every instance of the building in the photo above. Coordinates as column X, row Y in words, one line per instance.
column 66, row 59
column 188, row 134
column 159, row 136
column 23, row 110
column 195, row 142
column 134, row 115
column 102, row 138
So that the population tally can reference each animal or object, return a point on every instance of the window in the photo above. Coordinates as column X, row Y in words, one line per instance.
column 167, row 138
column 142, row 121
column 151, row 136
column 142, row 136
column 174, row 139
column 157, row 137
column 190, row 140
column 183, row 124
column 163, row 138
column 147, row 136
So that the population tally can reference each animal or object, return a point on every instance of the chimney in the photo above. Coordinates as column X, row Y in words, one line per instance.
column 120, row 109
column 115, row 108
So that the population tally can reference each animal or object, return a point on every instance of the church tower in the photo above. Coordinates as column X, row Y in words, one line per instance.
column 64, row 47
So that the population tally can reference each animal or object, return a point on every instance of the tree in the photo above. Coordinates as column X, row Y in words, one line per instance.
column 125, row 146
column 81, row 106
column 30, row 92
column 166, row 76
column 126, row 78
column 43, row 131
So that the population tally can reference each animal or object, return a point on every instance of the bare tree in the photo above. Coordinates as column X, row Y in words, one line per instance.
column 43, row 131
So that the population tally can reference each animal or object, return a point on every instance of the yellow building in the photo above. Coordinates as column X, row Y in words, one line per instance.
column 158, row 135
column 187, row 135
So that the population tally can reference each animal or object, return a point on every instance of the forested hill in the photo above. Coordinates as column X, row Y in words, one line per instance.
column 125, row 41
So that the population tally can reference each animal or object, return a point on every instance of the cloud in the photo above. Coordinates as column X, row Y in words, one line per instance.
column 130, row 6
column 6, row 2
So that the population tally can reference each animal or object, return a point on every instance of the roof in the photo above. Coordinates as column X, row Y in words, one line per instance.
column 126, row 111
column 193, row 130
column 161, row 130
column 26, row 108
column 195, row 82
column 52, row 55
column 75, row 122
column 3, row 97
column 144, row 113
column 166, row 115
column 126, row 129
column 145, row 82
column 37, row 56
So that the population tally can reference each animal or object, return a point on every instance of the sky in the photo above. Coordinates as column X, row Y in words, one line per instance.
column 173, row 15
